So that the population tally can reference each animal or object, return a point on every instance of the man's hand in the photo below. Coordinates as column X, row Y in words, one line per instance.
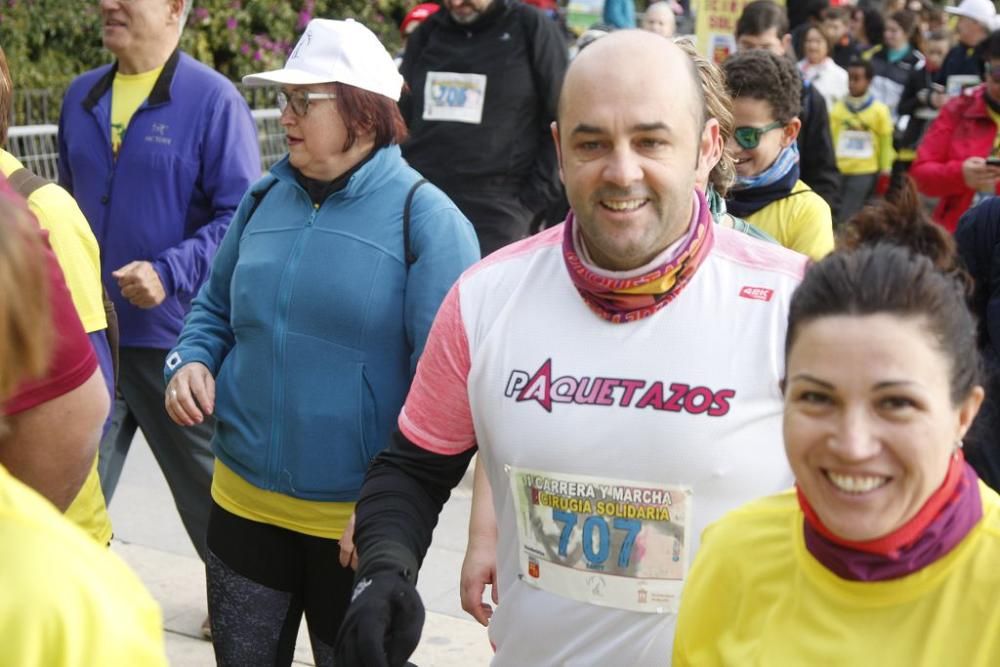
column 382, row 626
column 479, row 570
column 140, row 284
column 980, row 176
column 190, row 394
column 348, row 554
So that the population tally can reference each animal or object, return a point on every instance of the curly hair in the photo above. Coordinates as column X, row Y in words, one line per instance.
column 761, row 75
column 718, row 105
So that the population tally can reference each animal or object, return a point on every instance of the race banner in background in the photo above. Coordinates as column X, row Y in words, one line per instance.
column 715, row 27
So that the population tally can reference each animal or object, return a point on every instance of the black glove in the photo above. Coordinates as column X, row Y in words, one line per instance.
column 383, row 623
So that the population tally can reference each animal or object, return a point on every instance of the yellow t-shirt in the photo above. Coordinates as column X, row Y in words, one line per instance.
column 801, row 221
column 756, row 596
column 310, row 517
column 127, row 92
column 65, row 601
column 73, row 243
column 79, row 258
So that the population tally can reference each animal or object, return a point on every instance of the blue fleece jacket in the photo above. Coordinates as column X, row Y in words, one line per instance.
column 188, row 156
column 312, row 325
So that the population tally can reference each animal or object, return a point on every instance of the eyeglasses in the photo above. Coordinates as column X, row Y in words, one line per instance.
column 299, row 99
column 749, row 137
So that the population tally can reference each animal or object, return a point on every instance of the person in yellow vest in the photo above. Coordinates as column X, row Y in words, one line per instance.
column 79, row 258
column 66, row 601
column 861, row 128
column 768, row 192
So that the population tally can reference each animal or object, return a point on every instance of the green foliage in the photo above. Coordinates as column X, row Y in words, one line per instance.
column 49, row 42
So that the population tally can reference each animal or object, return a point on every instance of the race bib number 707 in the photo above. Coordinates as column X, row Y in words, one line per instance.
column 607, row 542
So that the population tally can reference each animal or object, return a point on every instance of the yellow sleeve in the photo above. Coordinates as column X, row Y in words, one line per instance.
column 835, row 123
column 76, row 249
column 709, row 606
column 886, row 153
column 810, row 231
column 66, row 601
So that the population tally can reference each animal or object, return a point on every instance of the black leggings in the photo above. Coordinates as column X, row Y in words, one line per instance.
column 261, row 579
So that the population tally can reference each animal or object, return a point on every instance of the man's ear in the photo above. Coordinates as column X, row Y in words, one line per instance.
column 791, row 132
column 710, row 150
column 555, row 137
column 786, row 43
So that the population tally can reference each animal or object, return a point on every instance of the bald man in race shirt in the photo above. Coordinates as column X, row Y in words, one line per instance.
column 584, row 364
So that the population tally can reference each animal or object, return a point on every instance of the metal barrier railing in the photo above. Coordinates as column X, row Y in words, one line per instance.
column 37, row 146
column 270, row 136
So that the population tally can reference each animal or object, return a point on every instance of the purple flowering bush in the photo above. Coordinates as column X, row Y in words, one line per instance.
column 49, row 42
column 239, row 37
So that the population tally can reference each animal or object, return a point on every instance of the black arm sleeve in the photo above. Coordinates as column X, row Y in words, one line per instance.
column 908, row 101
column 404, row 491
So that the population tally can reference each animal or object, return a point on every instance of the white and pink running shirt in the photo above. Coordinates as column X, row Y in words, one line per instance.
column 609, row 447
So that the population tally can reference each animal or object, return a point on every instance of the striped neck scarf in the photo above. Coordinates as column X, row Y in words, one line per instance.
column 945, row 519
column 787, row 159
column 618, row 297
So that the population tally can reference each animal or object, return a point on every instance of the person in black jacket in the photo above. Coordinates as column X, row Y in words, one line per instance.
column 963, row 66
column 764, row 25
column 978, row 239
column 919, row 104
column 484, row 78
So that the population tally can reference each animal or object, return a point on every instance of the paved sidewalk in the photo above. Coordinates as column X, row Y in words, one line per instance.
column 149, row 536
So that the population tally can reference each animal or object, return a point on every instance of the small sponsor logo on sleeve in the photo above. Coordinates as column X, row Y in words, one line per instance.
column 756, row 293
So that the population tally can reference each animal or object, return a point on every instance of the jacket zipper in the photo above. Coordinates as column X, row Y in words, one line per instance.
column 278, row 353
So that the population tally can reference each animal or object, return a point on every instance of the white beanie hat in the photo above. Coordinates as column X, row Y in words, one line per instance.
column 336, row 51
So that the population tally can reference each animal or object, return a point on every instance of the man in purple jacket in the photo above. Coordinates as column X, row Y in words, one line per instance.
column 158, row 150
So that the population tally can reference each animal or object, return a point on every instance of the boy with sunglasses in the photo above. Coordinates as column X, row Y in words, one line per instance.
column 768, row 192
column 861, row 128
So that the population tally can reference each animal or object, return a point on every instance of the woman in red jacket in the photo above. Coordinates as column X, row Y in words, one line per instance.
column 953, row 161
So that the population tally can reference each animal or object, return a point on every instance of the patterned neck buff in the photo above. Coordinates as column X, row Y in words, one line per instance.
column 944, row 520
column 621, row 298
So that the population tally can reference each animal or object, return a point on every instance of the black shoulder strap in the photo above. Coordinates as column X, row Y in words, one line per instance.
column 25, row 182
column 407, row 250
column 258, row 197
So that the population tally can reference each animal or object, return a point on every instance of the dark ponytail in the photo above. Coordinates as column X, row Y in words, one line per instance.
column 891, row 259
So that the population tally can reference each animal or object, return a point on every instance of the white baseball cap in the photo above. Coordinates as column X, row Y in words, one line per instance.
column 336, row 51
column 981, row 11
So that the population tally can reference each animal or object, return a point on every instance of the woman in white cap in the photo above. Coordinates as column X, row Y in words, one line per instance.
column 304, row 340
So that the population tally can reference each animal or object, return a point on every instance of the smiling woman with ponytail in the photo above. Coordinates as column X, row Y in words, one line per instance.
column 886, row 551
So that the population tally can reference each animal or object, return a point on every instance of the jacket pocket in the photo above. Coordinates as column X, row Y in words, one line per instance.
column 323, row 452
column 243, row 406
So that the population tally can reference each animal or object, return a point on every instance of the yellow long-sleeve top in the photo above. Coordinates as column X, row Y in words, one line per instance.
column 65, row 601
column 756, row 597
column 862, row 139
